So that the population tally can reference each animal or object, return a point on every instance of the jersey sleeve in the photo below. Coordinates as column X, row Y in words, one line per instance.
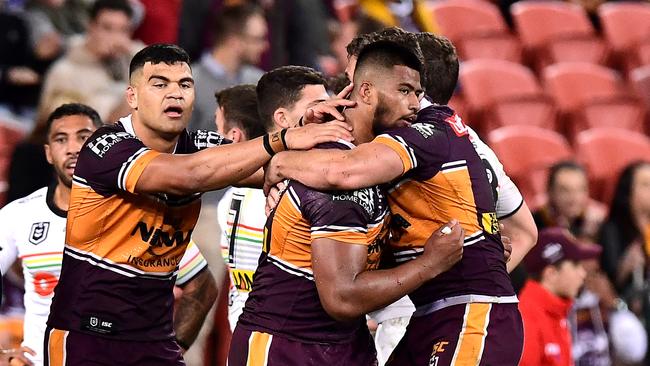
column 112, row 161
column 191, row 264
column 8, row 248
column 418, row 146
column 335, row 215
column 509, row 199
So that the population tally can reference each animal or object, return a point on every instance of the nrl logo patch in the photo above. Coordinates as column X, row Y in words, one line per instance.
column 38, row 234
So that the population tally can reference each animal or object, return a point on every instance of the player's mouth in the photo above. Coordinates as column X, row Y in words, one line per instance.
column 406, row 121
column 174, row 111
column 69, row 166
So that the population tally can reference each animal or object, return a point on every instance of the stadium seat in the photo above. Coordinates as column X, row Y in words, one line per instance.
column 605, row 152
column 526, row 153
column 626, row 26
column 590, row 96
column 477, row 29
column 640, row 78
column 555, row 31
column 500, row 93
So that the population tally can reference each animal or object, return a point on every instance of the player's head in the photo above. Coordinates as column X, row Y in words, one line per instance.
column 285, row 93
column 441, row 66
column 387, row 85
column 392, row 34
column 242, row 30
column 236, row 116
column 110, row 26
column 161, row 89
column 68, row 127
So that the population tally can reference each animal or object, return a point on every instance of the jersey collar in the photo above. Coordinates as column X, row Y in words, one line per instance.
column 127, row 123
column 49, row 200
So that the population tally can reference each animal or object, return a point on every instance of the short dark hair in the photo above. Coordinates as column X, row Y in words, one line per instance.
column 282, row 87
column 391, row 34
column 72, row 109
column 157, row 53
column 239, row 105
column 388, row 54
column 231, row 20
column 117, row 5
column 441, row 65
column 560, row 166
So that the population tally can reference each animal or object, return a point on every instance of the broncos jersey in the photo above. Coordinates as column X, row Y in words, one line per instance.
column 284, row 299
column 445, row 178
column 122, row 249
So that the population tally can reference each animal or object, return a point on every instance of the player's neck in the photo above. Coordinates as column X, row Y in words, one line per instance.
column 228, row 59
column 152, row 139
column 62, row 196
column 362, row 131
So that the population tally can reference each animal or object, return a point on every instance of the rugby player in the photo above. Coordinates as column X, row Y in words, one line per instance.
column 133, row 205
column 437, row 174
column 281, row 97
column 316, row 278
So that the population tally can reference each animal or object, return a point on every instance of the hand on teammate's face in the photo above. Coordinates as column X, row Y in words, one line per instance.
column 16, row 356
column 330, row 109
column 443, row 250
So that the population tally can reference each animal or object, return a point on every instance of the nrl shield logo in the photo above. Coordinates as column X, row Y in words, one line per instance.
column 39, row 232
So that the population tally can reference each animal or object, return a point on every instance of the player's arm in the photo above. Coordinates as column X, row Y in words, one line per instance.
column 522, row 231
column 364, row 166
column 198, row 296
column 347, row 291
column 221, row 166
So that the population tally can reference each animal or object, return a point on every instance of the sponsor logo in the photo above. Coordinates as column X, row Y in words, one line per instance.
column 204, row 139
column 97, row 325
column 159, row 237
column 39, row 231
column 553, row 252
column 457, row 125
column 438, row 348
column 155, row 262
column 103, row 143
column 425, row 129
column 364, row 197
column 242, row 279
column 490, row 223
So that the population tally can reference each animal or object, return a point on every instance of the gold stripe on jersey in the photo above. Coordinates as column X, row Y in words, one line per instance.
column 56, row 347
column 405, row 153
column 471, row 341
column 135, row 168
column 258, row 349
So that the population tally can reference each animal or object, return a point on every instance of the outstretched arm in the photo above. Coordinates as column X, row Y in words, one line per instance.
column 348, row 291
column 198, row 296
column 364, row 166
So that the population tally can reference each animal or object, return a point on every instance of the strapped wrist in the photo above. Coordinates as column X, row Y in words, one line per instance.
column 275, row 142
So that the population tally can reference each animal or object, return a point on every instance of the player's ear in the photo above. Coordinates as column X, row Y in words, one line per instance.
column 131, row 97
column 236, row 134
column 366, row 91
column 281, row 118
column 48, row 153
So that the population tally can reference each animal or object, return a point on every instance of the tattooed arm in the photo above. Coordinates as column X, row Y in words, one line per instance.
column 198, row 297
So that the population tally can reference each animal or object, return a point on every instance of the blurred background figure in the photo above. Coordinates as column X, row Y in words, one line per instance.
column 96, row 65
column 568, row 204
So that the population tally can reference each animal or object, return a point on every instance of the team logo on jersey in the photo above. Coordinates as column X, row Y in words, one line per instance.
column 457, row 125
column 425, row 129
column 103, row 143
column 38, row 234
column 438, row 348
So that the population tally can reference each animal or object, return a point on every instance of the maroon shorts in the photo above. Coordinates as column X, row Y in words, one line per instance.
column 477, row 334
column 65, row 348
column 258, row 348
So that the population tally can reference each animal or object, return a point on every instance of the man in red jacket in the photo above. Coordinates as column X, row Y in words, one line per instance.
column 557, row 274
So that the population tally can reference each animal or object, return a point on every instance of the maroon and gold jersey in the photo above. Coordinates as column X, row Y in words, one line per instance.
column 444, row 178
column 122, row 249
column 284, row 298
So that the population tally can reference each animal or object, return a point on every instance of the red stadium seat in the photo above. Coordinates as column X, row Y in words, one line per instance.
column 590, row 96
column 526, row 153
column 605, row 152
column 555, row 31
column 500, row 93
column 640, row 78
column 477, row 29
column 626, row 26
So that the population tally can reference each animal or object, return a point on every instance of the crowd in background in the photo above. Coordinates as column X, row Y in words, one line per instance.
column 58, row 51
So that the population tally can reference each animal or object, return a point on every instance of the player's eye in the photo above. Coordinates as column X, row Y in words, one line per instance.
column 404, row 91
column 159, row 85
column 186, row 85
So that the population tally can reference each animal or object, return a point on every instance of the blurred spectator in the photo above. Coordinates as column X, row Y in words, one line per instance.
column 557, row 274
column 96, row 65
column 19, row 69
column 196, row 24
column 240, row 39
column 625, row 236
column 342, row 33
column 160, row 22
column 569, row 205
column 299, row 34
column 53, row 22
column 411, row 15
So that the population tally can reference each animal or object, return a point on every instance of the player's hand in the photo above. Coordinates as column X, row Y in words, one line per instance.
column 507, row 247
column 443, row 249
column 306, row 137
column 16, row 356
column 271, row 176
column 273, row 197
column 329, row 109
